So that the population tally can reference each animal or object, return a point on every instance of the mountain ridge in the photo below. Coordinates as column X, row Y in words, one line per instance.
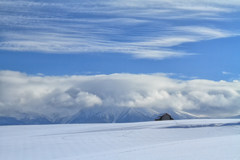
column 97, row 115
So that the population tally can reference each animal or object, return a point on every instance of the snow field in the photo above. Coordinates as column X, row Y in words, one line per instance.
column 182, row 139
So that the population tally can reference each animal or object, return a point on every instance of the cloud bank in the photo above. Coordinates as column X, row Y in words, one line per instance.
column 143, row 29
column 65, row 95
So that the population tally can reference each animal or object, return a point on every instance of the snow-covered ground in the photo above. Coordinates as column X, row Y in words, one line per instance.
column 213, row 139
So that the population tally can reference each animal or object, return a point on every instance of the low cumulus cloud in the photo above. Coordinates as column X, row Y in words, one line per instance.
column 65, row 95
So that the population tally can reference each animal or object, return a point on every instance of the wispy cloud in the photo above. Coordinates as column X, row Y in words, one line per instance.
column 20, row 92
column 223, row 72
column 144, row 29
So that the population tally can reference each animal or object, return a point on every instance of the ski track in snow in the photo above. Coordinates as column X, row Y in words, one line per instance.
column 181, row 139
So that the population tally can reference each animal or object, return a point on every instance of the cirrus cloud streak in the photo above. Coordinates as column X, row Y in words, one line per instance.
column 143, row 29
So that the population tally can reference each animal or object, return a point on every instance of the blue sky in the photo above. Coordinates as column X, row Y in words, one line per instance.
column 182, row 40
column 190, row 38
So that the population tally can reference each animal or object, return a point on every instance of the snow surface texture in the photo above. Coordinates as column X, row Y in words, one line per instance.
column 213, row 139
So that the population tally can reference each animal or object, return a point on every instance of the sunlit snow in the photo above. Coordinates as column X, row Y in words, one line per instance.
column 181, row 139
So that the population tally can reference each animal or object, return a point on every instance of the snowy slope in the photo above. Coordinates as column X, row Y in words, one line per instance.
column 213, row 139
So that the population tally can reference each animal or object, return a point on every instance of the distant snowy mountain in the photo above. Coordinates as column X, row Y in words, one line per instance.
column 122, row 115
column 235, row 117
column 113, row 115
column 98, row 115
column 24, row 121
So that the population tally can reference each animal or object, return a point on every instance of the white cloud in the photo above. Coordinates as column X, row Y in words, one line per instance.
column 205, row 32
column 223, row 72
column 111, row 26
column 67, row 94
